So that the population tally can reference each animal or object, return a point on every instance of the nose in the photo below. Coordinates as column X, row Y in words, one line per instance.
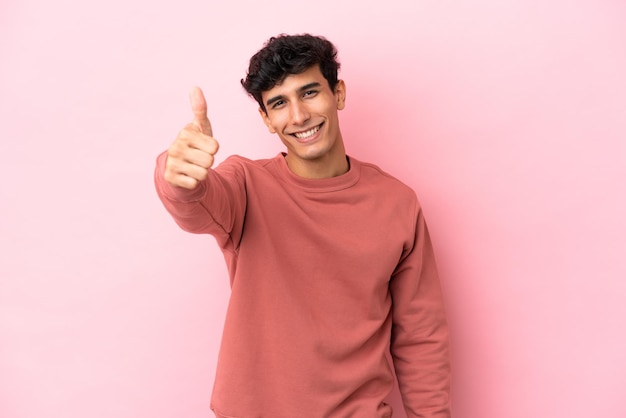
column 299, row 113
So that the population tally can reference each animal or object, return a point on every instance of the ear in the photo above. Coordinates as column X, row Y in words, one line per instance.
column 340, row 94
column 266, row 121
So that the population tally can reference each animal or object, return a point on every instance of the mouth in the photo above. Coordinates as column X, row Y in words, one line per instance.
column 310, row 133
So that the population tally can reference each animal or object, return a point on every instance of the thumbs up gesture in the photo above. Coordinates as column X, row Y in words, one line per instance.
column 191, row 155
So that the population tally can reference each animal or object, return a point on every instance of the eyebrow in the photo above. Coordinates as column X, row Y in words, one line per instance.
column 300, row 90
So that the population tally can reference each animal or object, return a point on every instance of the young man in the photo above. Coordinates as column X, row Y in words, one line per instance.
column 329, row 258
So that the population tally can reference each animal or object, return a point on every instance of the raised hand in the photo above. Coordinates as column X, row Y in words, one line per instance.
column 191, row 155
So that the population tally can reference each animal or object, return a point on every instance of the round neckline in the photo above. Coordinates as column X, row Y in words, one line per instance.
column 343, row 181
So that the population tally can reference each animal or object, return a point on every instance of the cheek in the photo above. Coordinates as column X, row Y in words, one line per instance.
column 277, row 123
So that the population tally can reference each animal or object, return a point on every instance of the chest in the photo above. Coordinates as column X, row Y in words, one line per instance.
column 343, row 232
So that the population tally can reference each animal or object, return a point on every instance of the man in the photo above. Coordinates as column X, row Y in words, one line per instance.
column 329, row 258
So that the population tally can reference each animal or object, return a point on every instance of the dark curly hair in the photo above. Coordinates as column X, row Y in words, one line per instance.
column 283, row 55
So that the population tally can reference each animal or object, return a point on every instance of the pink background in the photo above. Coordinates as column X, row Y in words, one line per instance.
column 507, row 117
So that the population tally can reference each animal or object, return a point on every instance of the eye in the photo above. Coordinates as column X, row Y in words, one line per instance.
column 310, row 93
column 277, row 104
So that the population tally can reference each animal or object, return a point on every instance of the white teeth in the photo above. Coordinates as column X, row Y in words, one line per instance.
column 310, row 132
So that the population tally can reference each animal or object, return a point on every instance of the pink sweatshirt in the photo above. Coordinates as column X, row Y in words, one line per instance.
column 326, row 276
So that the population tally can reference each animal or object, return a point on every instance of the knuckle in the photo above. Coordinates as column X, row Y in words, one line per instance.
column 191, row 183
column 215, row 146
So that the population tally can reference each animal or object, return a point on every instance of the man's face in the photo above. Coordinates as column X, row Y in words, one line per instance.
column 303, row 111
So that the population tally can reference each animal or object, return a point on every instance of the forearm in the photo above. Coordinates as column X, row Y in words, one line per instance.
column 186, row 206
column 420, row 341
column 423, row 370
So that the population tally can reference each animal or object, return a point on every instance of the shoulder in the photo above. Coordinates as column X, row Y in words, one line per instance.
column 372, row 174
column 397, row 197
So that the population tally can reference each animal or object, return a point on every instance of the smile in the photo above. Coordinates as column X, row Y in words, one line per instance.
column 307, row 134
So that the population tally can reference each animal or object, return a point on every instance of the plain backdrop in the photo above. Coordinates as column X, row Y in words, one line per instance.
column 506, row 116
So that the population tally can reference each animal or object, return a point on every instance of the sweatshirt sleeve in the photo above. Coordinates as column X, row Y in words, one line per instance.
column 419, row 340
column 217, row 206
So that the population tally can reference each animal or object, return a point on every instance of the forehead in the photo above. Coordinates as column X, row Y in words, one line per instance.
column 293, row 82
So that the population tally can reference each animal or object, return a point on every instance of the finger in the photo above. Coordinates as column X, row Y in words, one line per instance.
column 192, row 171
column 180, row 173
column 199, row 109
column 199, row 158
column 191, row 138
column 181, row 180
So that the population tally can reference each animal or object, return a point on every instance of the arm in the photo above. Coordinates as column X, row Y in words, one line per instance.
column 200, row 199
column 419, row 340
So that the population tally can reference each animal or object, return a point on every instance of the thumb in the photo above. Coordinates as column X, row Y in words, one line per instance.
column 199, row 109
